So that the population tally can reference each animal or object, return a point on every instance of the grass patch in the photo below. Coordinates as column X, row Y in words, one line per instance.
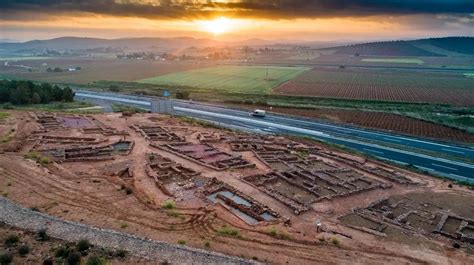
column 278, row 234
column 169, row 205
column 33, row 155
column 242, row 79
column 229, row 231
column 4, row 115
column 125, row 108
column 393, row 60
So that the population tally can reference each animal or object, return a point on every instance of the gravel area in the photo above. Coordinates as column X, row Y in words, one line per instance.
column 18, row 216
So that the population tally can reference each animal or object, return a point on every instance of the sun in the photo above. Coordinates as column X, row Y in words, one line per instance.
column 217, row 26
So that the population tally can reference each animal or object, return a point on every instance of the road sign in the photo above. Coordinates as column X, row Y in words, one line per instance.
column 166, row 93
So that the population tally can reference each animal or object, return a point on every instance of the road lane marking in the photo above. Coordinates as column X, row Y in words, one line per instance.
column 377, row 152
column 449, row 150
column 438, row 165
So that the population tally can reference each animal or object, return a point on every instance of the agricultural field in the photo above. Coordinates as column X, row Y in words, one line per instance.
column 93, row 69
column 394, row 60
column 236, row 79
column 383, row 85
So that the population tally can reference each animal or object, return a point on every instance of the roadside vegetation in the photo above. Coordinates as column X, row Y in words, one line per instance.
column 27, row 92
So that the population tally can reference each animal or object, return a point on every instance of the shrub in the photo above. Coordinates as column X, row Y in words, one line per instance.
column 182, row 242
column 95, row 260
column 45, row 161
column 24, row 250
column 48, row 261
column 322, row 239
column 276, row 234
column 6, row 258
column 42, row 235
column 74, row 258
column 335, row 241
column 169, row 205
column 228, row 231
column 11, row 240
column 83, row 245
column 121, row 253
column 124, row 225
column 207, row 244
column 62, row 252
column 128, row 190
column 182, row 95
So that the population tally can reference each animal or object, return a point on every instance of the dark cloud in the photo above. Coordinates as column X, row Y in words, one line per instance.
column 22, row 9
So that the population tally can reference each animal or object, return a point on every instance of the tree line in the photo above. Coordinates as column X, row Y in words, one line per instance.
column 27, row 92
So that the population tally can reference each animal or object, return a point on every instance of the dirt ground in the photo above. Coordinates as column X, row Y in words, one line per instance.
column 92, row 193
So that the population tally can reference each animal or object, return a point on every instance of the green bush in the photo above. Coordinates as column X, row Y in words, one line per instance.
column 182, row 242
column 6, row 258
column 228, row 231
column 24, row 250
column 11, row 240
column 74, row 258
column 83, row 245
column 42, row 235
column 96, row 260
column 182, row 95
column 207, row 244
column 121, row 253
column 62, row 252
column 335, row 241
column 169, row 205
column 48, row 261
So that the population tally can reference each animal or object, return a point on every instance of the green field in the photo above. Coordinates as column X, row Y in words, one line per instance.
column 393, row 60
column 236, row 79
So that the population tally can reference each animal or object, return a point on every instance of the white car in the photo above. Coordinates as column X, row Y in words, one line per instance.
column 258, row 113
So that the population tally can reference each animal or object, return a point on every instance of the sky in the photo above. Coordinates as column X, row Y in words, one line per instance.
column 232, row 20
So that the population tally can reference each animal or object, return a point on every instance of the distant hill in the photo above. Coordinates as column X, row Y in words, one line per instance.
column 450, row 46
column 125, row 44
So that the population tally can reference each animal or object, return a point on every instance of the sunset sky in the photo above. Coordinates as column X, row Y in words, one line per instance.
column 301, row 20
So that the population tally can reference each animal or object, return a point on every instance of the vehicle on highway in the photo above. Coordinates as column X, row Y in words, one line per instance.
column 259, row 113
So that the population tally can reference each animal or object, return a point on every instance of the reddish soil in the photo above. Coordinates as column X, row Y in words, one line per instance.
column 85, row 192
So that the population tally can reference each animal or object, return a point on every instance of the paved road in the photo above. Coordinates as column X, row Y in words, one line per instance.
column 384, row 145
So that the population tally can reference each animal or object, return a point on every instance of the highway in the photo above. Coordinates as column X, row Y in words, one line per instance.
column 396, row 148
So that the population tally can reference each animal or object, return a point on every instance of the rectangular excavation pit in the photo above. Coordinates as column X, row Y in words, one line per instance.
column 171, row 177
column 89, row 153
column 206, row 155
column 303, row 187
column 241, row 205
column 156, row 133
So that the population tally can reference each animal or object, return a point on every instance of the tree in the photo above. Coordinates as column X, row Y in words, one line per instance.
column 68, row 94
column 36, row 99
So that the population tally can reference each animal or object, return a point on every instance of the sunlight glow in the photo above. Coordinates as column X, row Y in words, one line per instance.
column 217, row 26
